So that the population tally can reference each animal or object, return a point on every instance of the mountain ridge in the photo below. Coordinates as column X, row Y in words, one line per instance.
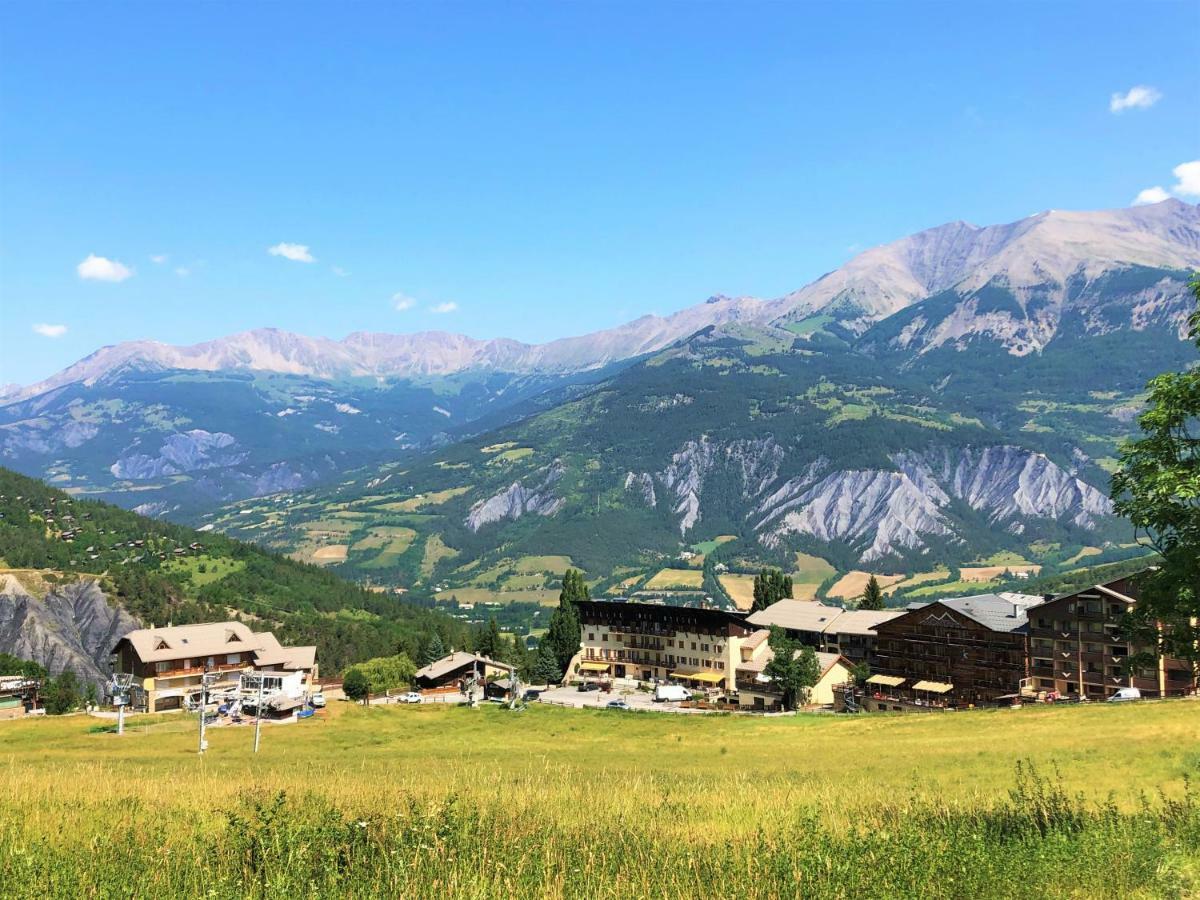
column 1046, row 248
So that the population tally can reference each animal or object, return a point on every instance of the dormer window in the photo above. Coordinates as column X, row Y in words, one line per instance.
column 231, row 637
column 162, row 645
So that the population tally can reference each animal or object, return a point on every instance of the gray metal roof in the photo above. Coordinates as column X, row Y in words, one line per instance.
column 990, row 610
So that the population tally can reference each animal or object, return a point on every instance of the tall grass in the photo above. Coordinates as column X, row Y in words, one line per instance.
column 1040, row 841
column 569, row 803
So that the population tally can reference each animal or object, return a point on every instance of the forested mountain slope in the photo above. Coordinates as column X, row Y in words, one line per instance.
column 73, row 573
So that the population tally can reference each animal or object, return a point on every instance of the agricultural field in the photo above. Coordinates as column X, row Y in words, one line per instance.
column 706, row 547
column 852, row 584
column 667, row 579
column 740, row 589
column 810, row 573
column 389, row 801
column 977, row 574
column 330, row 553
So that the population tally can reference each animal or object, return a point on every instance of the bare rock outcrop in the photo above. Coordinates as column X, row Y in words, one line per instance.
column 531, row 496
column 74, row 626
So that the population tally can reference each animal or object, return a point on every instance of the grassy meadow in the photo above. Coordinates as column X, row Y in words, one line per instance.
column 436, row 801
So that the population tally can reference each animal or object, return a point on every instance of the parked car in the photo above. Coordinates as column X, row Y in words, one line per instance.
column 411, row 697
column 617, row 704
column 530, row 696
column 589, row 686
column 317, row 700
column 1125, row 693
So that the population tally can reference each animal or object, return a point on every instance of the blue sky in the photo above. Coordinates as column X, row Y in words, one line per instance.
column 536, row 169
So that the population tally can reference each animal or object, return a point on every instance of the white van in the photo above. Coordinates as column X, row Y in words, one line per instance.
column 1125, row 693
column 664, row 693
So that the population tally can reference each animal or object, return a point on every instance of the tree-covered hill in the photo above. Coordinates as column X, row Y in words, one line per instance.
column 160, row 572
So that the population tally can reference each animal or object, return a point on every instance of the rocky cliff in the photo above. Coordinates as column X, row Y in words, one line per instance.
column 70, row 626
column 879, row 512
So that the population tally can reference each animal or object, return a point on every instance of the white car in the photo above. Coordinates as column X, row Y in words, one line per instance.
column 411, row 697
column 317, row 700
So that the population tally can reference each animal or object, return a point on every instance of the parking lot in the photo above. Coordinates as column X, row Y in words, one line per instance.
column 637, row 700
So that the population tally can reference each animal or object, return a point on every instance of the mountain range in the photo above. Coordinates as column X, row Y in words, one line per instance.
column 956, row 392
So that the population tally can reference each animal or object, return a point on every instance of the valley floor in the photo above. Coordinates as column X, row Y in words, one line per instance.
column 443, row 801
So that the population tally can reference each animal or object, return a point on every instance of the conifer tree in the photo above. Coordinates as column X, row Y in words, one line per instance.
column 434, row 649
column 872, row 597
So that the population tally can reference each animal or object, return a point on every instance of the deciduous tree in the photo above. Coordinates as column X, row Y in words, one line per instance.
column 793, row 668
column 1157, row 487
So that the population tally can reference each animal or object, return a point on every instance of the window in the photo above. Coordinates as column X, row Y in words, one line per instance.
column 604, row 638
column 693, row 646
column 591, row 636
column 162, row 666
column 233, row 659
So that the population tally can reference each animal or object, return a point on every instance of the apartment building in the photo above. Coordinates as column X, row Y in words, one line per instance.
column 167, row 663
column 1077, row 649
column 649, row 642
column 849, row 633
column 961, row 651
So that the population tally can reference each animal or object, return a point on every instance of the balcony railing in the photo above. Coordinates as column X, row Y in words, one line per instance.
column 200, row 670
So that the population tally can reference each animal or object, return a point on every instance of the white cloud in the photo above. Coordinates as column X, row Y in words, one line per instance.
column 159, row 259
column 1150, row 195
column 339, row 272
column 97, row 268
column 447, row 307
column 294, row 252
column 183, row 271
column 1188, row 174
column 403, row 301
column 1141, row 96
column 50, row 331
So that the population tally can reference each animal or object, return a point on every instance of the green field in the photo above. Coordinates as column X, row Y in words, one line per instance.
column 437, row 801
column 215, row 568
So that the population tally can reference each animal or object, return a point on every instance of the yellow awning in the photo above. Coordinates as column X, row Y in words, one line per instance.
column 590, row 666
column 705, row 676
column 937, row 687
column 889, row 680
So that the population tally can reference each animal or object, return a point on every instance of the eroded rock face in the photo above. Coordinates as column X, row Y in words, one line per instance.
column 72, row 627
column 886, row 510
column 186, row 451
column 1009, row 482
column 533, row 495
column 752, row 464
column 643, row 484
column 878, row 511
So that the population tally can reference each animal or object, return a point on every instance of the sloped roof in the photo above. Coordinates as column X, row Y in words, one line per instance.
column 182, row 641
column 862, row 621
column 989, row 610
column 214, row 639
column 825, row 661
column 752, row 642
column 796, row 615
column 440, row 668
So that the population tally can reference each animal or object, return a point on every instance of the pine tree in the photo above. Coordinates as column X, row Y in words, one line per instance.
column 434, row 649
column 564, row 632
column 872, row 597
column 490, row 642
column 545, row 665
